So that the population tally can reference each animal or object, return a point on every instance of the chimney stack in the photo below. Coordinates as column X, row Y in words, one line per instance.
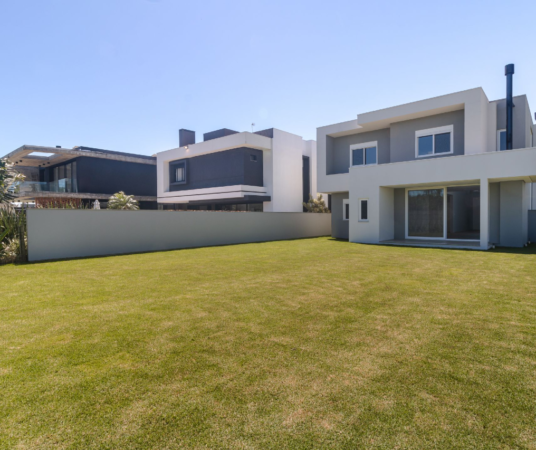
column 509, row 72
column 186, row 137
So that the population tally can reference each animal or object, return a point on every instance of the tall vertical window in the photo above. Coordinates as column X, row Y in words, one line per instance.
column 179, row 174
column 363, row 210
column 364, row 154
column 346, row 209
column 434, row 141
column 501, row 140
column 425, row 213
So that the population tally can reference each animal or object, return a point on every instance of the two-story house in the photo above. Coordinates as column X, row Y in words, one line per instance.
column 269, row 170
column 83, row 174
column 450, row 171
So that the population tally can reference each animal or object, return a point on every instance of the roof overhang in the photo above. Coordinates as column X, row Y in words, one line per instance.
column 39, row 156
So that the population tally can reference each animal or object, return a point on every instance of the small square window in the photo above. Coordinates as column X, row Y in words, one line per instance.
column 363, row 210
column 253, row 158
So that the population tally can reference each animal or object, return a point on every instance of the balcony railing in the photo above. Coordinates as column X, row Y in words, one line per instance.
column 32, row 187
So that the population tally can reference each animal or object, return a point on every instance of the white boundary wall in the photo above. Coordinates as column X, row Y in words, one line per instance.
column 60, row 234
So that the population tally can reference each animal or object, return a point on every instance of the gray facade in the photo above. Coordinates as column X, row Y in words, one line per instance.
column 403, row 135
column 338, row 154
column 522, row 121
column 239, row 166
column 339, row 227
column 395, row 144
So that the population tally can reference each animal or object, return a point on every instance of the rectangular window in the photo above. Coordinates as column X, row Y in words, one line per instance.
column 434, row 141
column 253, row 158
column 501, row 140
column 364, row 154
column 177, row 172
column 346, row 209
column 363, row 210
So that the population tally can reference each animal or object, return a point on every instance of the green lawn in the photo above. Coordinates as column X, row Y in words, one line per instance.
column 313, row 343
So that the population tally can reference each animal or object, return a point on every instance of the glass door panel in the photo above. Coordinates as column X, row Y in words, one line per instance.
column 426, row 213
column 463, row 212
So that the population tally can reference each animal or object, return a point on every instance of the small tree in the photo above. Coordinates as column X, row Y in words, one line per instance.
column 9, row 178
column 316, row 205
column 123, row 201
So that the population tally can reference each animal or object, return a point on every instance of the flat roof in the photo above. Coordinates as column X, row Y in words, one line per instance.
column 38, row 156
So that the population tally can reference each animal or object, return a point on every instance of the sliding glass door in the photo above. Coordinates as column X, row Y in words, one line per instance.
column 425, row 213
column 443, row 213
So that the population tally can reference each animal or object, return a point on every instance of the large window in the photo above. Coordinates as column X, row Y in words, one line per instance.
column 364, row 154
column 434, row 141
column 444, row 213
column 425, row 213
column 463, row 212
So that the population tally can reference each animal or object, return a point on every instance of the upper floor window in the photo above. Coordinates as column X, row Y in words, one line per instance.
column 364, row 154
column 177, row 172
column 501, row 140
column 434, row 141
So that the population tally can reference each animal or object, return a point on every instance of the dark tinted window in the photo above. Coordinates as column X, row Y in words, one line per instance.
column 347, row 211
column 442, row 143
column 364, row 209
column 371, row 155
column 358, row 157
column 426, row 145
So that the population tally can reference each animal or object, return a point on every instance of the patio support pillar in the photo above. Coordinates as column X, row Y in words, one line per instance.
column 484, row 213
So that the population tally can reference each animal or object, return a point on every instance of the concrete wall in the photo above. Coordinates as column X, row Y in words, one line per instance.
column 400, row 213
column 513, row 218
column 59, row 234
column 339, row 152
column 339, row 227
column 521, row 121
column 403, row 134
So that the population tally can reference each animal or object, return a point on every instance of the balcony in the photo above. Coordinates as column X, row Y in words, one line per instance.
column 30, row 188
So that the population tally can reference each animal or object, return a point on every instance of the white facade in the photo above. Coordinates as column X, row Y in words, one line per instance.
column 282, row 159
column 473, row 124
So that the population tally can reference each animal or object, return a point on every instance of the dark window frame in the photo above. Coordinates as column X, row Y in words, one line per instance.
column 173, row 170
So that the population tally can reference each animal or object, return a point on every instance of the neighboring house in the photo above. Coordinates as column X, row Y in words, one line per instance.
column 84, row 173
column 269, row 170
column 435, row 172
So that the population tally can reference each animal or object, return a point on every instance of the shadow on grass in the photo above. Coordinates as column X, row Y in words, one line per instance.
column 529, row 250
column 110, row 255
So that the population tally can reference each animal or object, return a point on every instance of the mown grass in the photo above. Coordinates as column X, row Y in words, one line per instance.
column 301, row 344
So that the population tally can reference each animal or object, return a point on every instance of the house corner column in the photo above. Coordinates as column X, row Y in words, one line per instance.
column 484, row 213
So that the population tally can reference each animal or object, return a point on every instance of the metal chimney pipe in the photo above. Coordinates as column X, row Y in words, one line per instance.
column 509, row 71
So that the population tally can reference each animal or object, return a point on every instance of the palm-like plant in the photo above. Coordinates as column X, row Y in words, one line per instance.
column 123, row 201
column 9, row 178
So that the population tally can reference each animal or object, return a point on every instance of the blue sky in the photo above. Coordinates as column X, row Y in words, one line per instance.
column 125, row 75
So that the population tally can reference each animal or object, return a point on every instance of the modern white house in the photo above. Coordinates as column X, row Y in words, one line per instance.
column 269, row 170
column 451, row 171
